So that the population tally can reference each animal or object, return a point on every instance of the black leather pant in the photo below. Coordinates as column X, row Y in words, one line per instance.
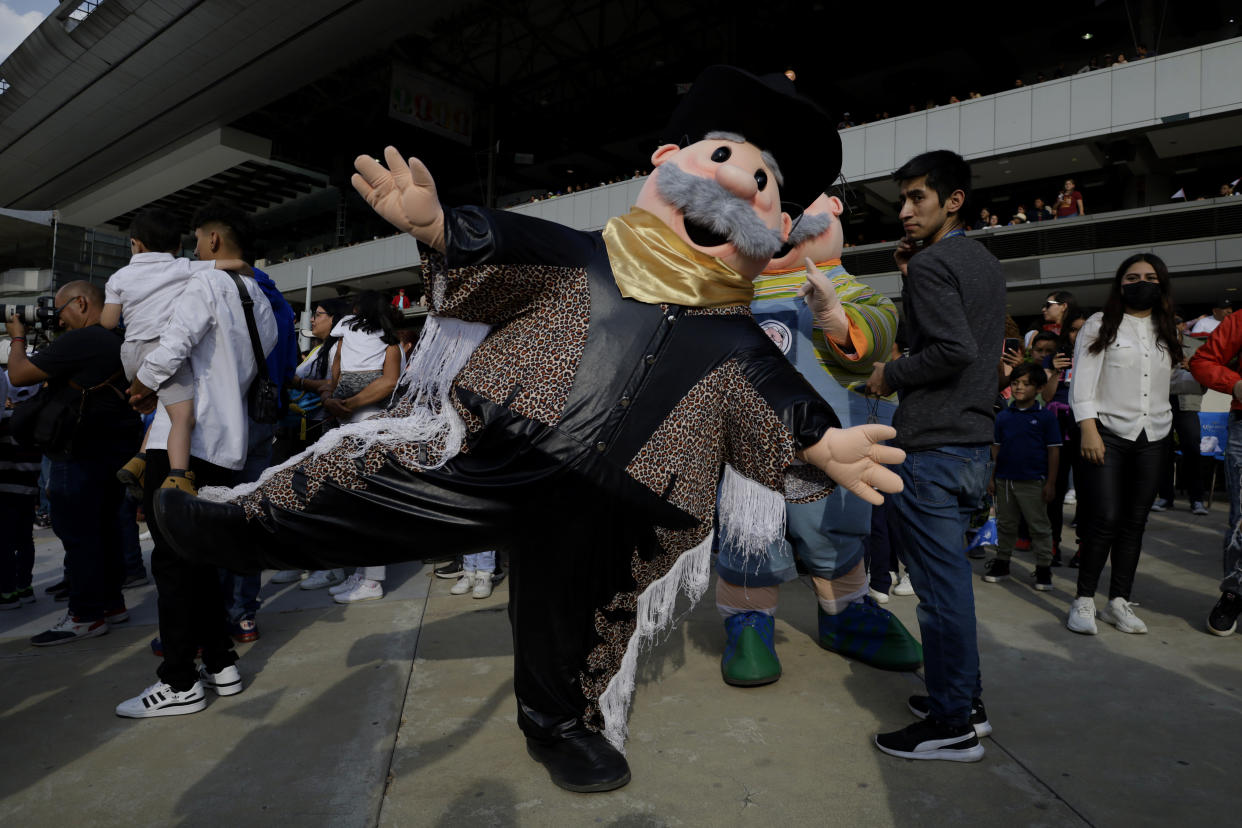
column 1117, row 496
column 571, row 550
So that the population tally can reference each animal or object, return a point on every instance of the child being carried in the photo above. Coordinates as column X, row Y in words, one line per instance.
column 146, row 291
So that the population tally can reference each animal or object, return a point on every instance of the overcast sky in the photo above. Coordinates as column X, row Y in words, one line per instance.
column 18, row 19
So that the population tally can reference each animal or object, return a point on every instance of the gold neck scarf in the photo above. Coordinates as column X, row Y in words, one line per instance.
column 652, row 264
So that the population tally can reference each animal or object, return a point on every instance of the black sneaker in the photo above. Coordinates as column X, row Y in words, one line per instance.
column 26, row 595
column 1223, row 619
column 1074, row 561
column 1043, row 578
column 60, row 586
column 930, row 739
column 10, row 601
column 995, row 570
column 451, row 570
column 921, row 706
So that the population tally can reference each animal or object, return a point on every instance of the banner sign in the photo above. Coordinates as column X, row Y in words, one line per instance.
column 430, row 103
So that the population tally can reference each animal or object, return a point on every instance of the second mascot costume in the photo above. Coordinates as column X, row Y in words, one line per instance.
column 832, row 328
column 573, row 399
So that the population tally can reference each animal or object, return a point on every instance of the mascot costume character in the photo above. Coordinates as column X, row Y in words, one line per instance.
column 832, row 328
column 573, row 399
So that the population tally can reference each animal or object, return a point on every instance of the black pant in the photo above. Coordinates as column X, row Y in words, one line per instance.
column 1186, row 426
column 571, row 545
column 1118, row 495
column 190, row 610
column 1070, row 460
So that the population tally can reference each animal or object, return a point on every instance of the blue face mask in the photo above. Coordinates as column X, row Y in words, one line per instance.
column 1141, row 295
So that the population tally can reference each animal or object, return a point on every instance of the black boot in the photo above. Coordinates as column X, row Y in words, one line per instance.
column 581, row 760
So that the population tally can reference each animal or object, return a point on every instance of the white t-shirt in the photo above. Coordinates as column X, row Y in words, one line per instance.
column 360, row 351
column 147, row 289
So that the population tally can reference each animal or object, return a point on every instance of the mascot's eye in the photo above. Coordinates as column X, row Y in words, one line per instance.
column 761, row 178
column 721, row 154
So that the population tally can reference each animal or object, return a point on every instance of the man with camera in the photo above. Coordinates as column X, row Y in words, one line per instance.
column 210, row 330
column 96, row 431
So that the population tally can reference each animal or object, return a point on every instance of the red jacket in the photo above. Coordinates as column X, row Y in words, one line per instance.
column 1215, row 364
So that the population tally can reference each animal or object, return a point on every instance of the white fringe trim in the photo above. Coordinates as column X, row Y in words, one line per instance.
column 751, row 516
column 691, row 574
column 443, row 348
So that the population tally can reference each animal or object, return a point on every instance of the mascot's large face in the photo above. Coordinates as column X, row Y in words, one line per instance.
column 722, row 197
column 823, row 246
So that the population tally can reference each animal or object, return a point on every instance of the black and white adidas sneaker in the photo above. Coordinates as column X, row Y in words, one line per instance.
column 931, row 739
column 161, row 700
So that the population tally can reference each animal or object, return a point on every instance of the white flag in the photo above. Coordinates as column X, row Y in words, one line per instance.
column 1179, row 194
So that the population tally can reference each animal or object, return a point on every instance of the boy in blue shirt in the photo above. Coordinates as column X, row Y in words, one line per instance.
column 1025, row 453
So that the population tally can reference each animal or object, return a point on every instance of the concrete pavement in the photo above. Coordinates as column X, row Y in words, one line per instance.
column 400, row 712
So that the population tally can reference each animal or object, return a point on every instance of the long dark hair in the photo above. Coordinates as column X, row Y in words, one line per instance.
column 335, row 309
column 1073, row 312
column 1161, row 314
column 373, row 315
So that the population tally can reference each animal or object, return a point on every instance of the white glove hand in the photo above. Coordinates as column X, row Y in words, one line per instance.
column 853, row 457
column 404, row 194
column 821, row 297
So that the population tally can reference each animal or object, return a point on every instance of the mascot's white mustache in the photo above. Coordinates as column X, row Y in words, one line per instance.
column 705, row 203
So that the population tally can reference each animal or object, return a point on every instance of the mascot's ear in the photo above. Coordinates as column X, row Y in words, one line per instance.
column 786, row 226
column 836, row 206
column 663, row 153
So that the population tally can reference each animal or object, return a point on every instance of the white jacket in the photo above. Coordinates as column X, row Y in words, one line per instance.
column 208, row 327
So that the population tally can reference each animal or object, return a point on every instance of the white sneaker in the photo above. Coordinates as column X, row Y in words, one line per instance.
column 365, row 590
column 227, row 682
column 1198, row 508
column 345, row 585
column 464, row 584
column 161, row 700
column 321, row 578
column 878, row 597
column 1082, row 616
column 482, row 584
column 288, row 576
column 1071, row 497
column 1118, row 613
column 903, row 586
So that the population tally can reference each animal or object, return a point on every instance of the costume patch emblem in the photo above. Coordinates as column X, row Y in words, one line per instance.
column 779, row 333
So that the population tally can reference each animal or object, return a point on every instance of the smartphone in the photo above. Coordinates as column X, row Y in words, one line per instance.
column 1013, row 344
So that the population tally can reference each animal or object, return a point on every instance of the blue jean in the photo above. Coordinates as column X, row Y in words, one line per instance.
column 131, row 549
column 241, row 592
column 1233, row 468
column 45, row 471
column 827, row 540
column 85, row 499
column 943, row 487
column 16, row 540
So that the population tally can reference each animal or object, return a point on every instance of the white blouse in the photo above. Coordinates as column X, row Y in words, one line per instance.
column 360, row 351
column 1126, row 385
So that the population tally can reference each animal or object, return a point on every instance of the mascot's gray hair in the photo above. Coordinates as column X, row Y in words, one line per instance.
column 805, row 227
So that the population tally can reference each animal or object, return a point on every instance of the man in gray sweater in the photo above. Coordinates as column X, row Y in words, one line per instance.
column 953, row 303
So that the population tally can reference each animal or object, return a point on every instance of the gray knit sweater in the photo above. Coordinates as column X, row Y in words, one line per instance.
column 953, row 307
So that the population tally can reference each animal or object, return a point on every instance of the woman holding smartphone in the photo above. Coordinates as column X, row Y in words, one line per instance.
column 1123, row 359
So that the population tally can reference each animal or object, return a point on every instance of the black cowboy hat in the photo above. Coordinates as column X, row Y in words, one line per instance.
column 770, row 114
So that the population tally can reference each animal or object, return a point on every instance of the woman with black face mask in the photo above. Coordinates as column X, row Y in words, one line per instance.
column 1123, row 359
